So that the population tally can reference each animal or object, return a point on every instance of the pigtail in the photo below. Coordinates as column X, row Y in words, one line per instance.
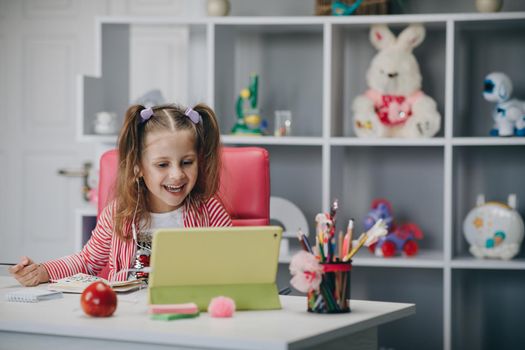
column 209, row 152
column 129, row 148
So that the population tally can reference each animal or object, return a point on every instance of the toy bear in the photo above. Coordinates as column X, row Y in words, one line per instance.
column 394, row 105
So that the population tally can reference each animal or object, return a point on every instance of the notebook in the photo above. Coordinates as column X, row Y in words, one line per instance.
column 194, row 265
column 32, row 295
column 77, row 283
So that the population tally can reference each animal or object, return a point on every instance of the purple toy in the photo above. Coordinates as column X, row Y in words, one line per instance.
column 400, row 239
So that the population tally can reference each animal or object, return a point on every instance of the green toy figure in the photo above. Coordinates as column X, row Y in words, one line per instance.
column 248, row 118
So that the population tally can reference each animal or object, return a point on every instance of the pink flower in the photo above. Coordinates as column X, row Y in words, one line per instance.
column 306, row 271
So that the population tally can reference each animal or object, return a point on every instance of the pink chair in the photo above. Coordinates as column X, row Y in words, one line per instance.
column 244, row 188
column 245, row 185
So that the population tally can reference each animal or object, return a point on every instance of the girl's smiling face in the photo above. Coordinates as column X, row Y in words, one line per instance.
column 169, row 166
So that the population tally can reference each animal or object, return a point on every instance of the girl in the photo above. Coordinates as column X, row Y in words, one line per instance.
column 168, row 176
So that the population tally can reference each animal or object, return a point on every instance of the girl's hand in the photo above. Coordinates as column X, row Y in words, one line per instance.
column 28, row 273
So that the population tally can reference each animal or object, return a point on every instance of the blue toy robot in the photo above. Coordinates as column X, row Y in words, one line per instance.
column 509, row 114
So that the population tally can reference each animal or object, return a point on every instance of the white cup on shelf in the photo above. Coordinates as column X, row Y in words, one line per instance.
column 283, row 123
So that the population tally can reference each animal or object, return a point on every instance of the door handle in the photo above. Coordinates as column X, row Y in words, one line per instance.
column 83, row 173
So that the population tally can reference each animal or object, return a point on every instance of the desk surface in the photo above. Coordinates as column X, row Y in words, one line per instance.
column 277, row 329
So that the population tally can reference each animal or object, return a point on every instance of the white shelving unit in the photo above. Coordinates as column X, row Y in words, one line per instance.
column 315, row 66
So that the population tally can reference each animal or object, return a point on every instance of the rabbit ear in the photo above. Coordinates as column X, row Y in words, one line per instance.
column 381, row 36
column 411, row 37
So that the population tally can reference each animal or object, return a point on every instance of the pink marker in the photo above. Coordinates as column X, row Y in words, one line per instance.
column 188, row 308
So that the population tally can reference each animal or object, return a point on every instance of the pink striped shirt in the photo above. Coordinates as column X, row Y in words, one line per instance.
column 104, row 247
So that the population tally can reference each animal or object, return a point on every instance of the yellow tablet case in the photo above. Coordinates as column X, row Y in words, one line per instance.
column 198, row 264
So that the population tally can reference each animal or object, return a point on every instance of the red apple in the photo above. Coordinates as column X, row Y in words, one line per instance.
column 98, row 300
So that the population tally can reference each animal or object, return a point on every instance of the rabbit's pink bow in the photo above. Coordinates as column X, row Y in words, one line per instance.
column 393, row 109
column 398, row 109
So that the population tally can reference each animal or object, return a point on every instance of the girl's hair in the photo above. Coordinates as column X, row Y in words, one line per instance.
column 131, row 192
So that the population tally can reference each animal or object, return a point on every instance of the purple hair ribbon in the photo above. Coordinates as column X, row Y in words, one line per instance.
column 193, row 115
column 145, row 114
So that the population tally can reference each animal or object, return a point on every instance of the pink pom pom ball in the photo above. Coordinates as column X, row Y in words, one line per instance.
column 221, row 307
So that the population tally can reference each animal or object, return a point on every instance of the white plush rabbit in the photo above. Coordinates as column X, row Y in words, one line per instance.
column 395, row 106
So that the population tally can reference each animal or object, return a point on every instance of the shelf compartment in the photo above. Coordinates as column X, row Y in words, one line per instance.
column 471, row 262
column 289, row 62
column 488, row 141
column 495, row 172
column 351, row 56
column 426, row 259
column 85, row 222
column 403, row 175
column 424, row 287
column 296, row 174
column 271, row 140
column 500, row 45
column 355, row 141
column 136, row 58
column 487, row 309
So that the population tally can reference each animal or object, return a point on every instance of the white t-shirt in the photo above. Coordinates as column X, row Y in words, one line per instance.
column 170, row 219
column 145, row 236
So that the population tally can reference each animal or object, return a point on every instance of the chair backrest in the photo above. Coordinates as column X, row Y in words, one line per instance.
column 244, row 188
column 245, row 185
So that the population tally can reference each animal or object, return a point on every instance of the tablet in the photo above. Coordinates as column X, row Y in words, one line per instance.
column 198, row 264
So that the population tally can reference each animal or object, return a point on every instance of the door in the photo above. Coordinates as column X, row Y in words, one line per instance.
column 43, row 46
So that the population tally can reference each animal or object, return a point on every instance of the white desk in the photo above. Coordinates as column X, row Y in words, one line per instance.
column 61, row 324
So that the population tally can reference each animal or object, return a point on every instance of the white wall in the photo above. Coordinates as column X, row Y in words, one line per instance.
column 44, row 45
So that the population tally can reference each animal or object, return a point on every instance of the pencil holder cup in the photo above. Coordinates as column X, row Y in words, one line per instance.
column 334, row 291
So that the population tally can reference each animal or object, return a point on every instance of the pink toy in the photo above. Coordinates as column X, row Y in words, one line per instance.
column 221, row 307
column 394, row 105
